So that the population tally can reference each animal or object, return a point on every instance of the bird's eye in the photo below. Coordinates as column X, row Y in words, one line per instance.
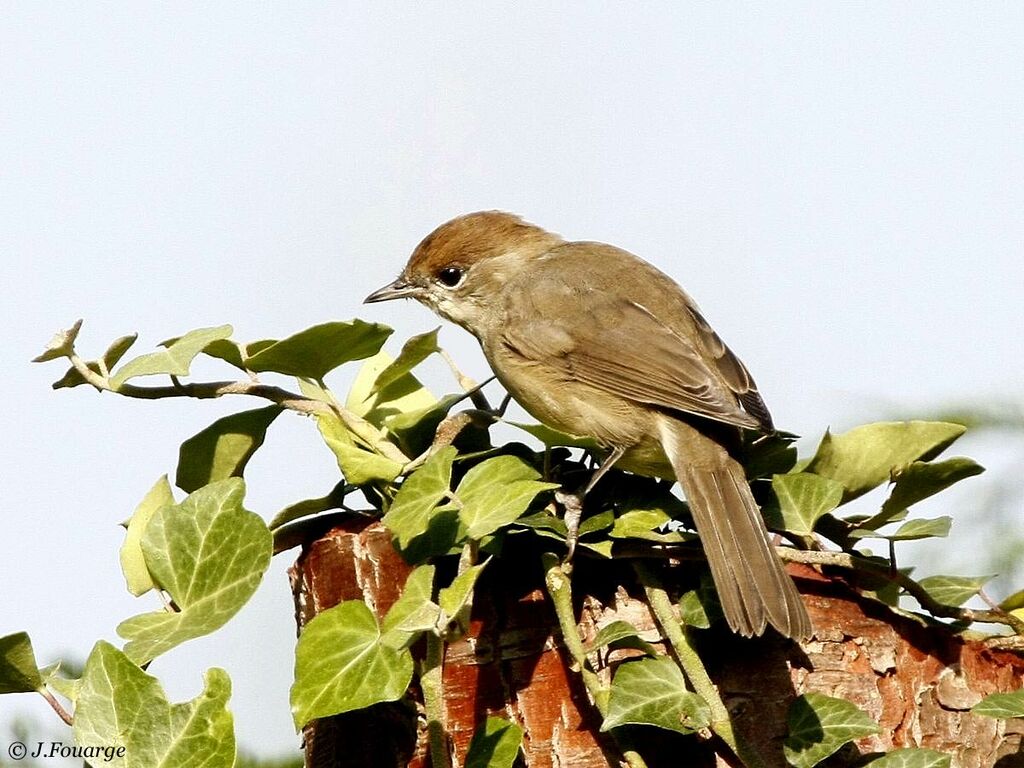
column 450, row 276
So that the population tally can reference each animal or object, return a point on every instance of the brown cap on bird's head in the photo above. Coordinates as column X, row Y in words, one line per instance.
column 462, row 242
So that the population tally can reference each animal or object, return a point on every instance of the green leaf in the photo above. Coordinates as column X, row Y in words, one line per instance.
column 620, row 634
column 414, row 427
column 1001, row 705
column 867, row 456
column 653, row 692
column 61, row 345
column 358, row 465
column 597, row 523
column 224, row 448
column 919, row 528
column 333, row 500
column 692, row 610
column 1014, row 601
column 234, row 352
column 404, row 394
column 174, row 361
column 640, row 524
column 458, row 594
column 110, row 358
column 133, row 562
column 316, row 351
column 953, row 590
column 495, row 744
column 416, row 501
column 209, row 554
column 19, row 672
column 819, row 725
column 911, row 757
column 552, row 437
column 342, row 664
column 119, row 705
column 919, row 480
column 414, row 612
column 414, row 351
column 804, row 499
column 496, row 492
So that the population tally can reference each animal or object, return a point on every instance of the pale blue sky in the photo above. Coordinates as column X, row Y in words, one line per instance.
column 840, row 186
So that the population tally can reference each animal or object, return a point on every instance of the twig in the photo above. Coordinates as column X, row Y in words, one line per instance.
column 560, row 590
column 689, row 660
column 213, row 389
column 919, row 593
column 56, row 705
column 432, row 683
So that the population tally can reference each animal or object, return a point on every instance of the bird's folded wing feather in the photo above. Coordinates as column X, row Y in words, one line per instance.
column 619, row 346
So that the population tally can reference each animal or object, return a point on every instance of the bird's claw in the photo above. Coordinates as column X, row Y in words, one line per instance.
column 573, row 505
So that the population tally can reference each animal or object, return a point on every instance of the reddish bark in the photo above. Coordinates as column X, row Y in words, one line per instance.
column 917, row 679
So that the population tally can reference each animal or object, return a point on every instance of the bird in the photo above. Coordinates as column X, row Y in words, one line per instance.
column 596, row 342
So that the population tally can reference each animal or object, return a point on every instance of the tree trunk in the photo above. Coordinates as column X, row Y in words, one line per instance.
column 917, row 679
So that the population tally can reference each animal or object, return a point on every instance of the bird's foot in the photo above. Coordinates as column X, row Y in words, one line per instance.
column 573, row 505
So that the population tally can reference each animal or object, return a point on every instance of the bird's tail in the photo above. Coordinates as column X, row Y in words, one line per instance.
column 752, row 583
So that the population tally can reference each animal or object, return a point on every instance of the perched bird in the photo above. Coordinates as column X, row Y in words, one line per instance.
column 595, row 342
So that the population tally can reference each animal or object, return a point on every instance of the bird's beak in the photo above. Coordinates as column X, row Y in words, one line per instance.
column 399, row 289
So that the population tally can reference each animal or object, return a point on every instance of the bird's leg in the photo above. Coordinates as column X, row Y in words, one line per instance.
column 573, row 503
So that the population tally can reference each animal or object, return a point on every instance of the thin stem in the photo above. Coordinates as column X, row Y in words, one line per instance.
column 432, row 683
column 689, row 660
column 214, row 389
column 919, row 593
column 559, row 588
column 62, row 713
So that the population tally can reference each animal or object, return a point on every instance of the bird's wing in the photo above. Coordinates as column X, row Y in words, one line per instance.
column 619, row 346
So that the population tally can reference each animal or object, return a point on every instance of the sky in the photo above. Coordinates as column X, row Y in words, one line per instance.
column 838, row 185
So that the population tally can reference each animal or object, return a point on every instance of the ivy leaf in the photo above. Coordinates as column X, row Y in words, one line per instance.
column 316, row 351
column 209, row 554
column 640, row 524
column 416, row 501
column 1014, row 604
column 404, row 395
column 233, row 352
column 495, row 744
column 110, row 358
column 224, row 448
column 867, row 456
column 61, row 345
column 458, row 594
column 414, row 612
column 1004, row 706
column 19, row 672
column 912, row 530
column 358, row 465
column 496, row 492
column 414, row 351
column 912, row 757
column 414, row 429
column 953, row 590
column 119, row 704
column 819, row 725
column 692, row 610
column 620, row 634
column 804, row 499
column 602, row 521
column 552, row 437
column 133, row 562
column 653, row 692
column 342, row 664
column 920, row 479
column 174, row 361
column 307, row 507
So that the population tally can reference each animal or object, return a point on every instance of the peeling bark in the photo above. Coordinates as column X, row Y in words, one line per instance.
column 918, row 679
